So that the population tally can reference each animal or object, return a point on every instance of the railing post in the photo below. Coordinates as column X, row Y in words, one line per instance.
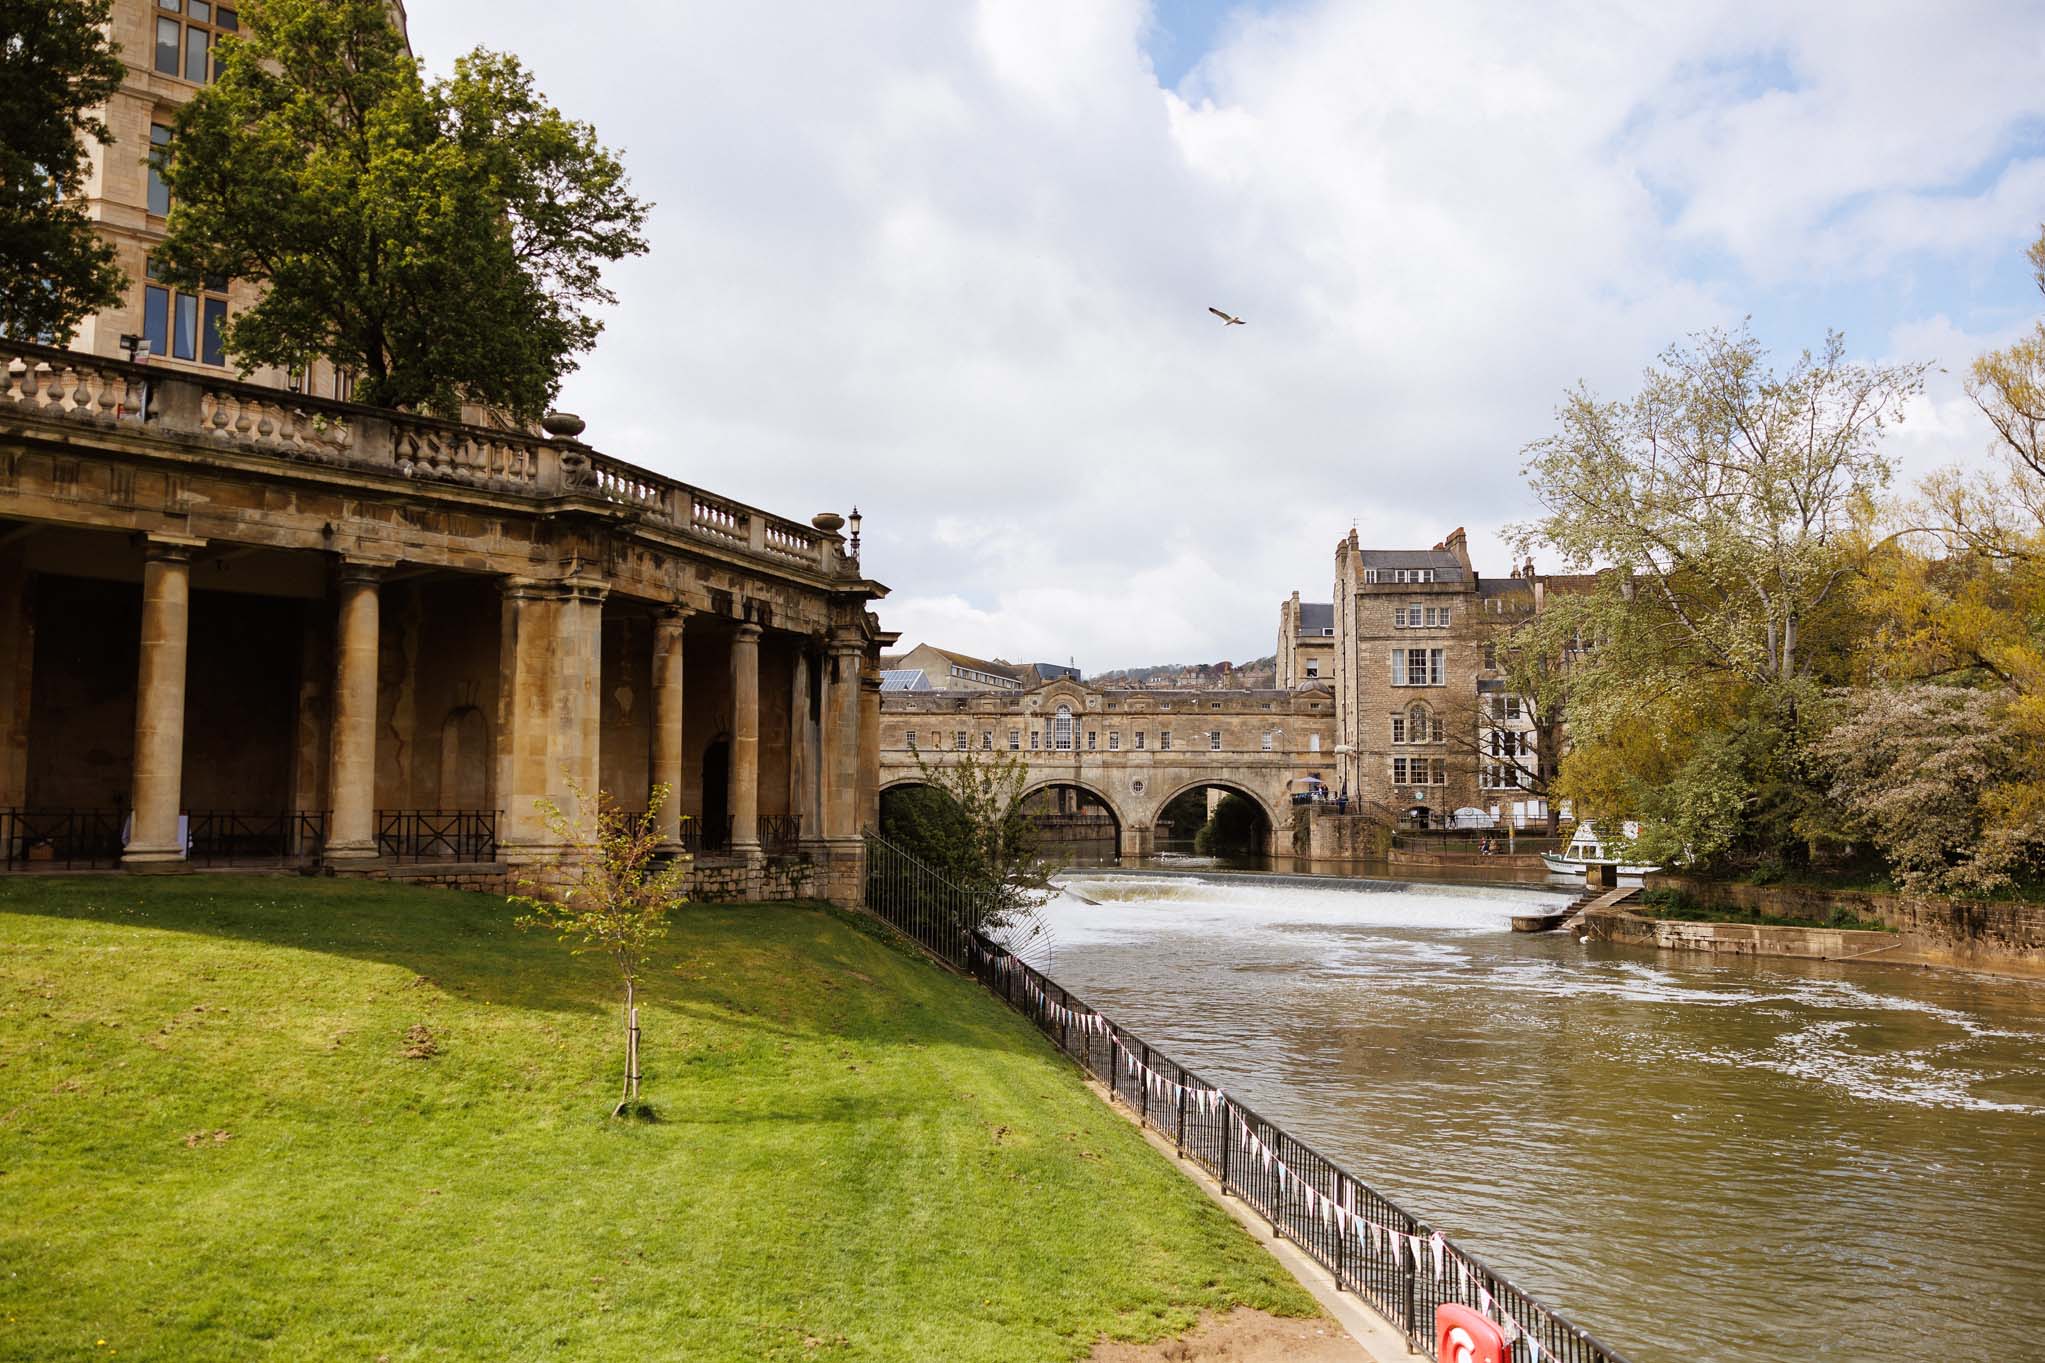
column 1411, row 1274
column 1143, row 1104
column 1179, row 1134
column 1228, row 1140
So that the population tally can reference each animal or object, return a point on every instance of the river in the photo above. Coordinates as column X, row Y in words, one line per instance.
column 1695, row 1159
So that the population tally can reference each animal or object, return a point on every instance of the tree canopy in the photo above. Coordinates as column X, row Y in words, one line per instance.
column 443, row 241
column 57, row 66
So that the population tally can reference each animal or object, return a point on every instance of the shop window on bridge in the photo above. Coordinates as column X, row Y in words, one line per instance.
column 1114, row 740
column 1062, row 729
column 1139, row 738
column 1164, row 739
column 1270, row 740
column 1015, row 740
column 986, row 740
column 1091, row 736
column 911, row 736
column 1033, row 740
column 958, row 740
column 1214, row 740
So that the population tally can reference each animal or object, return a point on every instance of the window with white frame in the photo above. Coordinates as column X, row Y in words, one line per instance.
column 1035, row 735
column 1398, row 728
column 1270, row 740
column 1313, row 667
column 911, row 736
column 1214, row 740
column 958, row 740
column 1114, row 740
column 1015, row 740
column 1139, row 738
column 1091, row 736
column 986, row 740
column 1416, row 666
column 1313, row 742
column 1062, row 728
column 1164, row 739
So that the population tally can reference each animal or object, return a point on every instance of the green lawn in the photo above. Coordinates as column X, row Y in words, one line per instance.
column 214, row 1146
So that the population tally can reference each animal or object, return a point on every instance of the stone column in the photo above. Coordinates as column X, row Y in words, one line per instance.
column 841, row 739
column 745, row 742
column 548, row 685
column 153, row 840
column 869, row 745
column 667, row 719
column 351, row 733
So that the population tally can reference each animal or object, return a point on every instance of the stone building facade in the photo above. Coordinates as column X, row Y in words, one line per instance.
column 167, row 46
column 1306, row 643
column 945, row 670
column 251, row 617
column 1130, row 751
column 1425, row 726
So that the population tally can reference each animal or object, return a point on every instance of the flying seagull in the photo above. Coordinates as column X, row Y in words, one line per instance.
column 1226, row 320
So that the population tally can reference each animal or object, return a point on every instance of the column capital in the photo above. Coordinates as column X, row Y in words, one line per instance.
column 370, row 571
column 162, row 547
column 838, row 644
column 673, row 615
column 748, row 632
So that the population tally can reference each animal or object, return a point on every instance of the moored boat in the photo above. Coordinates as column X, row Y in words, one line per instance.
column 1587, row 849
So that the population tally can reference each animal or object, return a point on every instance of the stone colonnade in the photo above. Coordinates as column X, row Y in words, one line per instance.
column 549, row 735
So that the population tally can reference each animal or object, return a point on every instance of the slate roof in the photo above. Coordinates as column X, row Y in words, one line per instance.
column 1315, row 616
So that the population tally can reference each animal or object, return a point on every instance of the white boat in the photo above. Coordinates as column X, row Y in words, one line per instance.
column 1587, row 849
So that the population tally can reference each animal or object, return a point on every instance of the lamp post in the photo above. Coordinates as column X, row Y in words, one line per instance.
column 852, row 525
column 1342, row 751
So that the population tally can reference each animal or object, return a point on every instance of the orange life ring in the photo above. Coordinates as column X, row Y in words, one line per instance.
column 1463, row 1336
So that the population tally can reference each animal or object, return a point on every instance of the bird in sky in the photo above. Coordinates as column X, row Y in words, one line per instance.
column 1226, row 320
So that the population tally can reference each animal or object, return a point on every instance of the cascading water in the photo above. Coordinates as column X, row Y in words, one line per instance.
column 1698, row 1159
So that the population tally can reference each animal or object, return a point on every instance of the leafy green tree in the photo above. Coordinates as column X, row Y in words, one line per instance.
column 1732, row 501
column 1236, row 826
column 616, row 900
column 57, row 66
column 442, row 241
column 967, row 822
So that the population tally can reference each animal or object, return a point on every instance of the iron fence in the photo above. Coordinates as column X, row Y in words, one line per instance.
column 437, row 834
column 780, row 832
column 224, row 837
column 60, row 839
column 698, row 835
column 1397, row 1262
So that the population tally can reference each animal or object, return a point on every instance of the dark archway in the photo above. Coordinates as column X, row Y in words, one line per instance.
column 716, row 806
column 1213, row 817
column 1073, row 822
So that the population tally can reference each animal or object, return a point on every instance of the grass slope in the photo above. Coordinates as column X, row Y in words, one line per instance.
column 213, row 1145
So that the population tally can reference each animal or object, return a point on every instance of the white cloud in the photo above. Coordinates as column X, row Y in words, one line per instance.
column 952, row 262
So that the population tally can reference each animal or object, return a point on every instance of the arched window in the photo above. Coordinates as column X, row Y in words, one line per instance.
column 1063, row 727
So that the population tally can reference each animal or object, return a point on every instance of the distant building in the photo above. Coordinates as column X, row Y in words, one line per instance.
column 1424, row 723
column 948, row 671
column 1036, row 674
column 1306, row 642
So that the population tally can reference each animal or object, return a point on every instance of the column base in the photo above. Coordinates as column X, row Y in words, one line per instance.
column 350, row 854
column 749, row 852
column 155, row 860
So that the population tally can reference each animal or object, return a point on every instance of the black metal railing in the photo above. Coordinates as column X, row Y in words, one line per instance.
column 780, row 832
column 437, row 834
column 60, row 839
column 1398, row 1263
column 699, row 836
column 232, row 837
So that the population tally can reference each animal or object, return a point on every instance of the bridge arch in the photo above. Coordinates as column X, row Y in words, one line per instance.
column 1270, row 813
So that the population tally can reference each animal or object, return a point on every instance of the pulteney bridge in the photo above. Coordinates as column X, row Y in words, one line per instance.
column 1131, row 752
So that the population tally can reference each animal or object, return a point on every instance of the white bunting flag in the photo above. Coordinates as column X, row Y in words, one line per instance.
column 1484, row 1299
column 1434, row 1242
column 1533, row 1350
column 1463, row 1278
column 1392, row 1245
column 1417, row 1245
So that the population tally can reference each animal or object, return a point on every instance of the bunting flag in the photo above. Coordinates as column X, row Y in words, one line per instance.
column 1434, row 1242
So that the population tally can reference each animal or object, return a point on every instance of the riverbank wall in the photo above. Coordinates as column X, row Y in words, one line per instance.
column 2001, row 937
column 1740, row 939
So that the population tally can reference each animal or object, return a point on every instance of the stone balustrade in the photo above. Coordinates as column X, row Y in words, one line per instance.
column 42, row 383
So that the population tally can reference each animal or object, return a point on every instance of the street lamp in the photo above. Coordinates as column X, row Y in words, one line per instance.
column 852, row 524
column 1342, row 751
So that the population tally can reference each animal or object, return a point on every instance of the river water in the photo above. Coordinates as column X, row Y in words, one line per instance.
column 1694, row 1159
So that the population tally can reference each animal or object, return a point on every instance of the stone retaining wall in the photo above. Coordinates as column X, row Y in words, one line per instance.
column 2003, row 937
column 1740, row 939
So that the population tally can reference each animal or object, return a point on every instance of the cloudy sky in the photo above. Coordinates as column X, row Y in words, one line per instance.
column 951, row 262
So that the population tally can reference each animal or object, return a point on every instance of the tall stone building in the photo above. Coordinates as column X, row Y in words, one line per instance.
column 168, row 46
column 1306, row 642
column 1424, row 724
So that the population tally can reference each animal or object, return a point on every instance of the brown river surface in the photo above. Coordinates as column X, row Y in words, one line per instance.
column 1695, row 1159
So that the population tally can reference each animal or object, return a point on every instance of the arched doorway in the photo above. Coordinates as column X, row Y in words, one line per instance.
column 716, row 805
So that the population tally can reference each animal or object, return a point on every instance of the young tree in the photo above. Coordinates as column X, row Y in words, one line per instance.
column 617, row 904
column 57, row 65
column 441, row 241
column 968, row 824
